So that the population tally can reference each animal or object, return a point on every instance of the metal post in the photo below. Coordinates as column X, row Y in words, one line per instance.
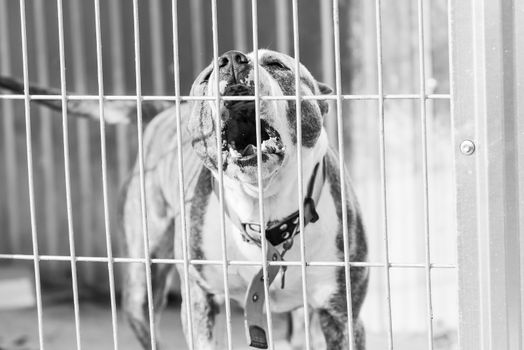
column 484, row 99
column 141, row 168
column 103, row 159
column 67, row 170
column 214, row 20
column 254, row 19
column 343, row 200
column 300, row 175
column 425, row 176
column 182, row 194
column 383, row 175
column 519, row 76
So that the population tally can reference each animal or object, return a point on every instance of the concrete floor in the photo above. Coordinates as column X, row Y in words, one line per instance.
column 19, row 331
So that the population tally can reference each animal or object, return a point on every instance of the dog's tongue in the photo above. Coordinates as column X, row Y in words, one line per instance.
column 249, row 150
column 241, row 131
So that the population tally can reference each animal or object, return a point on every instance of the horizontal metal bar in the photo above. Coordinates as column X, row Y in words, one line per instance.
column 220, row 262
column 225, row 98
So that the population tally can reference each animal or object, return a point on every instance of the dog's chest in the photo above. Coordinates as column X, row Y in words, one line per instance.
column 320, row 242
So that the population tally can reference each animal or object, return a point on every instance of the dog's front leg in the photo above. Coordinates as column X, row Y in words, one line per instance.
column 161, row 240
column 297, row 336
column 334, row 326
column 204, row 309
column 135, row 301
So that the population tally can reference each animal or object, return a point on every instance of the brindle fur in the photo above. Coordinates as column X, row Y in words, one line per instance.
column 161, row 180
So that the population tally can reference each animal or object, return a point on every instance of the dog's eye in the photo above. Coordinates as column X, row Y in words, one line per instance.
column 277, row 64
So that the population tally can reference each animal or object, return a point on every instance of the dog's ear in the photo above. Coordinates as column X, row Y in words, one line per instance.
column 324, row 90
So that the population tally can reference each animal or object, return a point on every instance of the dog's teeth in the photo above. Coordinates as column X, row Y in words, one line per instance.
column 222, row 86
column 271, row 145
column 268, row 146
column 234, row 153
column 264, row 146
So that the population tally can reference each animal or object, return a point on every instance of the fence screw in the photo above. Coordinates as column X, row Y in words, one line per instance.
column 467, row 147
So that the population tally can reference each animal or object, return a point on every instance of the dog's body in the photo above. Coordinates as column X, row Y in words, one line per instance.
column 323, row 238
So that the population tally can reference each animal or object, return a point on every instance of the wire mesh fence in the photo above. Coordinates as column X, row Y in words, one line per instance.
column 389, row 121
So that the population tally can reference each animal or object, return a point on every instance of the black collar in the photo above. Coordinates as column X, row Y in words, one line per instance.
column 289, row 227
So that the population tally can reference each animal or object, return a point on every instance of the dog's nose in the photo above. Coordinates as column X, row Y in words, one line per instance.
column 232, row 59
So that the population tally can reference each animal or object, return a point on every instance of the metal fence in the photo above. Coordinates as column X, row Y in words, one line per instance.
column 487, row 138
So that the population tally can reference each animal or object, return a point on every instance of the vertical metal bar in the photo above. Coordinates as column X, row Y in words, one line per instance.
column 30, row 174
column 181, row 189
column 254, row 19
column 282, row 12
column 83, row 132
column 9, row 133
column 462, row 93
column 118, row 81
column 221, row 174
column 511, row 17
column 67, row 167
column 143, row 207
column 197, row 35
column 300, row 197
column 239, row 25
column 380, row 88
column 157, row 47
column 103, row 155
column 46, row 133
column 498, row 127
column 327, row 52
column 424, row 131
column 340, row 127
column 490, row 133
column 519, row 76
column 428, row 59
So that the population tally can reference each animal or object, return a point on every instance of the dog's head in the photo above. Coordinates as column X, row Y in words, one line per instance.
column 238, row 122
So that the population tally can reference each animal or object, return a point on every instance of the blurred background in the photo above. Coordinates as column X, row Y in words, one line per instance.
column 361, row 121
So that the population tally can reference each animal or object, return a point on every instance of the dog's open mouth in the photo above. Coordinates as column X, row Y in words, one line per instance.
column 239, row 130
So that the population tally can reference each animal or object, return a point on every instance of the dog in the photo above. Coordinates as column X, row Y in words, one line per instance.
column 203, row 159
